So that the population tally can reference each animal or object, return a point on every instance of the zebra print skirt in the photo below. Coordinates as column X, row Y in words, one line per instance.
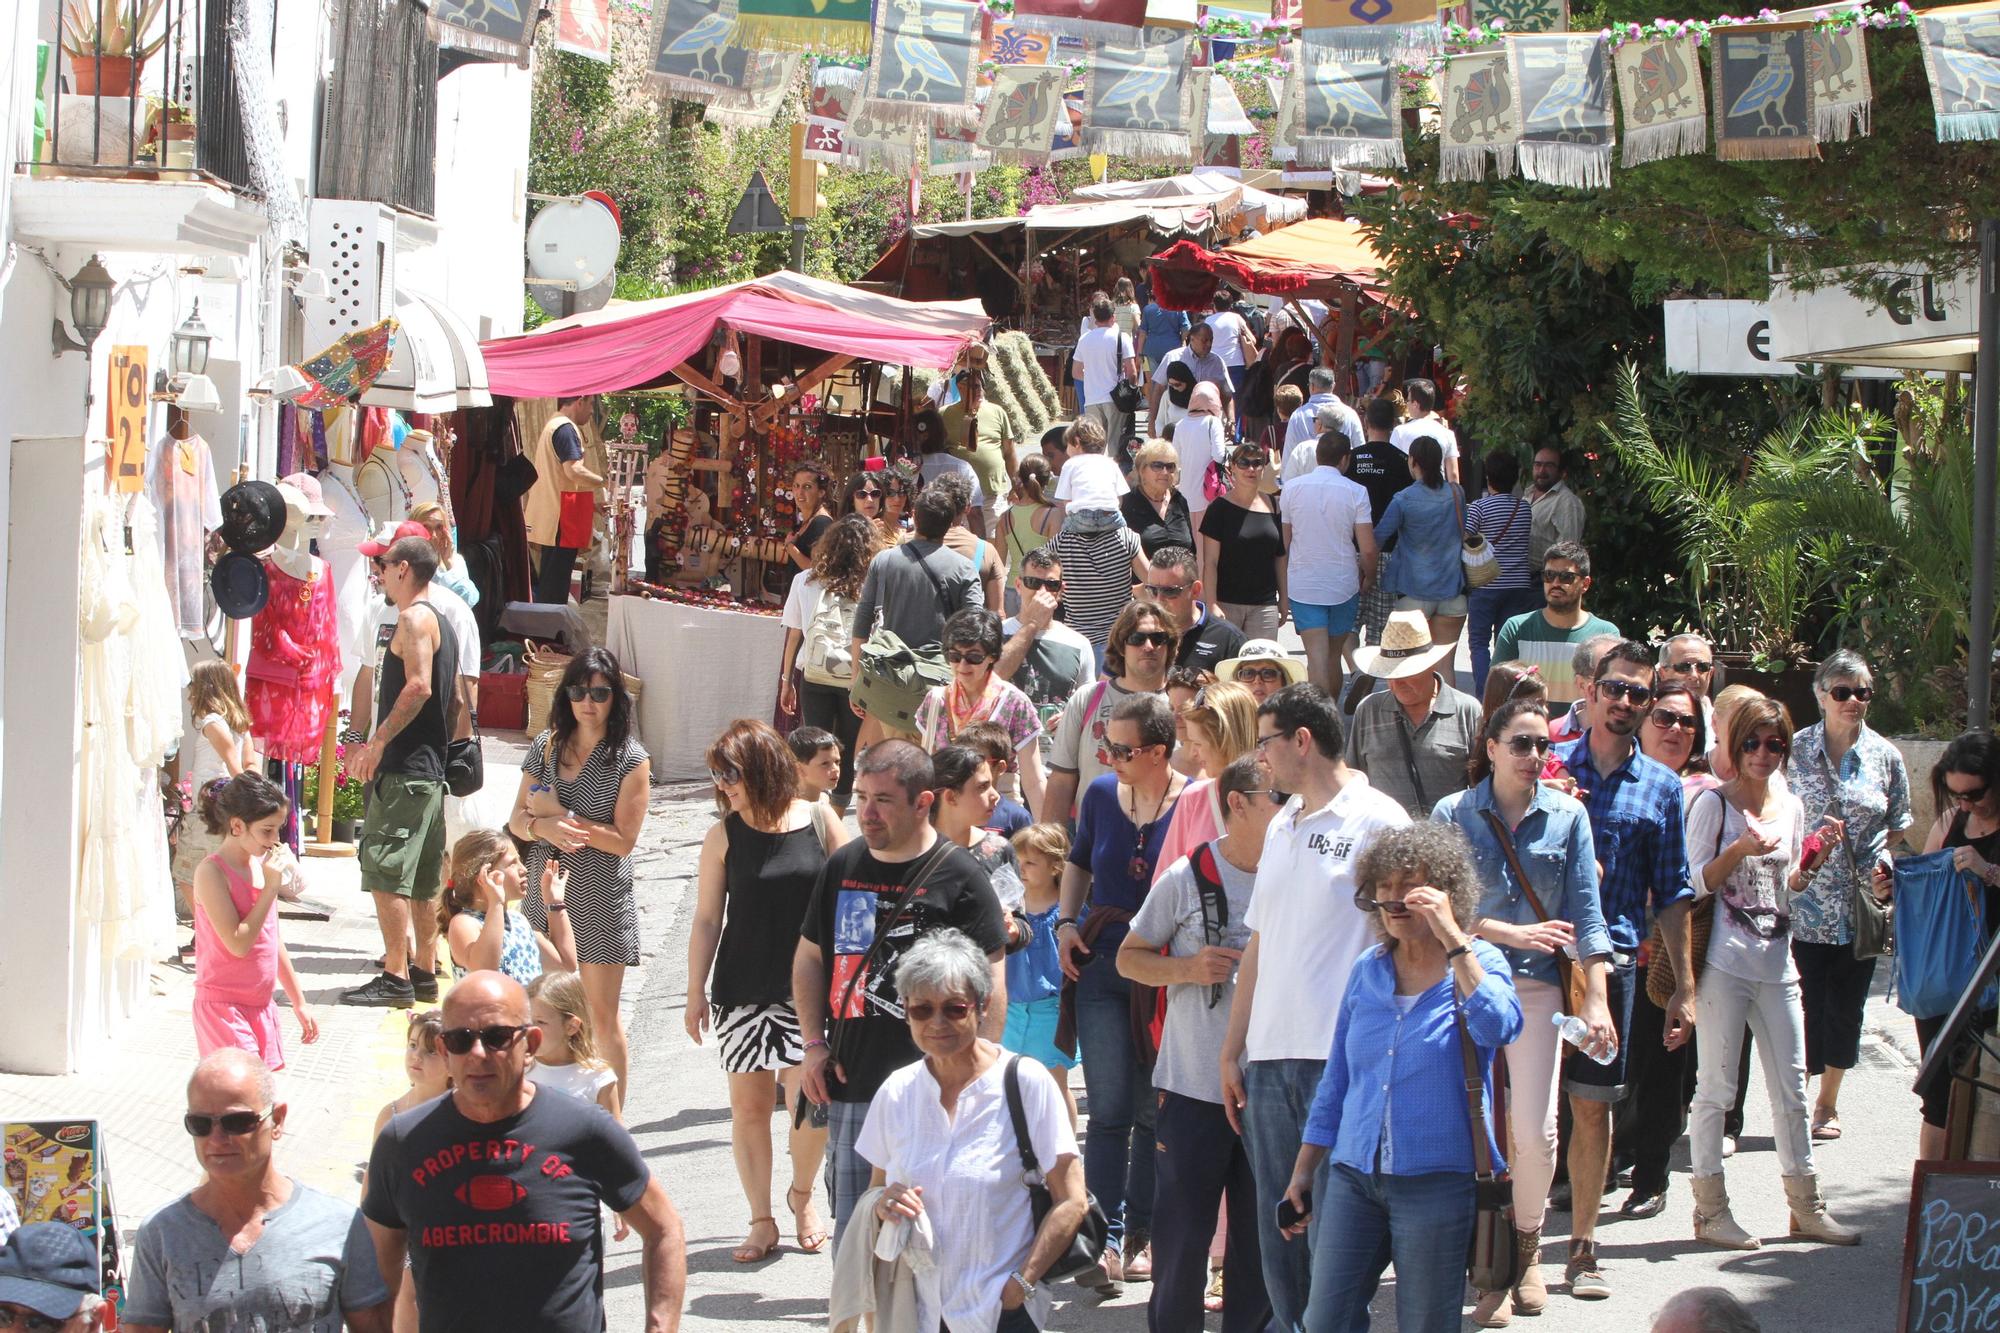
column 756, row 1037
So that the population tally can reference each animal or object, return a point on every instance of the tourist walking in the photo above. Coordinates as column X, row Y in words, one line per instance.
column 1243, row 560
column 1548, row 638
column 1331, row 549
column 1501, row 518
column 819, row 628
column 976, row 693
column 1136, row 654
column 1414, row 739
column 1427, row 520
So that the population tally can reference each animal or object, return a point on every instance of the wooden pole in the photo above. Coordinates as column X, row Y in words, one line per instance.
column 323, row 843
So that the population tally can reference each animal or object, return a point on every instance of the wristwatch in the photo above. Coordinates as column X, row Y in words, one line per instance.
column 1027, row 1287
column 1453, row 953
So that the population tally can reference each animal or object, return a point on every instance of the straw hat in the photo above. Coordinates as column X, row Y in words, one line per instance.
column 1406, row 649
column 1260, row 651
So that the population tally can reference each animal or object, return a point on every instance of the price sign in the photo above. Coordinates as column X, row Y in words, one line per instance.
column 127, row 419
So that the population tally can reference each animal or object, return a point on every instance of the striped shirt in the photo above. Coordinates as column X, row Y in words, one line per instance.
column 1529, row 637
column 1097, row 578
column 1637, row 831
column 1504, row 521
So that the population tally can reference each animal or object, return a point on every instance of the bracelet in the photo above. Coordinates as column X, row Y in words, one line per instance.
column 1062, row 921
column 816, row 1041
column 1461, row 949
column 555, row 907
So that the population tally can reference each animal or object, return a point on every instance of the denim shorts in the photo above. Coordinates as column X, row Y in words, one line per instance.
column 1336, row 620
column 1448, row 606
column 1583, row 1077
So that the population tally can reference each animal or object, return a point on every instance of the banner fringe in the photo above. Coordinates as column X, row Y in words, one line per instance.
column 1963, row 126
column 1140, row 145
column 1415, row 42
column 738, row 117
column 840, row 76
column 911, row 115
column 1574, row 165
column 1118, row 34
column 1837, row 122
column 1462, row 164
column 464, row 39
column 1322, row 152
column 1765, row 150
column 690, row 90
column 1655, row 143
column 773, row 32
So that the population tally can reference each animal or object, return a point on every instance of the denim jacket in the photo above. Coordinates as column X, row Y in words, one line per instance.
column 1427, row 562
column 1401, row 1076
column 1555, row 849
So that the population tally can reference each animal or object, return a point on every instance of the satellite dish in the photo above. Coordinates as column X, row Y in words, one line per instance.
column 573, row 241
column 558, row 300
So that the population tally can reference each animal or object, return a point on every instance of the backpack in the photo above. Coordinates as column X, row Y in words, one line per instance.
column 827, row 658
column 1214, row 921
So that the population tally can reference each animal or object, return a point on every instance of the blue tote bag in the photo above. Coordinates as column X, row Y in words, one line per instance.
column 1941, row 934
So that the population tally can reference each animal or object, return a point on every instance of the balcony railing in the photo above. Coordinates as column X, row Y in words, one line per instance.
column 141, row 88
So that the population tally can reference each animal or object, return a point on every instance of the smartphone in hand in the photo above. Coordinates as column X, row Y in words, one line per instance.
column 1289, row 1216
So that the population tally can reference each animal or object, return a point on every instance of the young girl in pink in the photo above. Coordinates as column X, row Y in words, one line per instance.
column 239, row 961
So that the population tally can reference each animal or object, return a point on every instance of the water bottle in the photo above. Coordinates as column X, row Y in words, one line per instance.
column 1577, row 1032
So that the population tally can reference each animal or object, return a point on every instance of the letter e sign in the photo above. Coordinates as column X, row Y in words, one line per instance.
column 127, row 419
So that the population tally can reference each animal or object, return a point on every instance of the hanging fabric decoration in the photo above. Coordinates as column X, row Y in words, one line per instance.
column 1022, row 109
column 695, row 52
column 1763, row 95
column 954, row 151
column 1353, row 28
column 1098, row 20
column 1287, row 93
column 1225, row 109
column 1962, row 53
column 1659, row 85
column 833, row 92
column 1066, row 145
column 829, row 27
column 498, row 27
column 767, row 79
column 1138, row 98
column 922, row 70
column 1351, row 114
column 583, row 27
column 1519, row 16
column 871, row 145
column 1172, row 13
column 1563, row 81
column 1479, row 115
column 1002, row 43
column 1837, row 64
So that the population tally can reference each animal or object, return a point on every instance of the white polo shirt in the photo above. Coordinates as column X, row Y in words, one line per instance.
column 1434, row 426
column 1322, row 509
column 1309, row 932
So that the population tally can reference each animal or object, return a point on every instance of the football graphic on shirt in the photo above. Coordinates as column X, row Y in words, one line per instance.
column 490, row 1194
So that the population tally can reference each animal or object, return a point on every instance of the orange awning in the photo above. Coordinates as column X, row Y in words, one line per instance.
column 1323, row 252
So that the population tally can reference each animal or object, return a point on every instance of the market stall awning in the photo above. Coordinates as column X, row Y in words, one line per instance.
column 1314, row 260
column 626, row 345
column 434, row 366
column 1168, row 216
column 1266, row 210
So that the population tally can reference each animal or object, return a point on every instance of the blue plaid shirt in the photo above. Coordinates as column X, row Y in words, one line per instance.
column 1635, row 824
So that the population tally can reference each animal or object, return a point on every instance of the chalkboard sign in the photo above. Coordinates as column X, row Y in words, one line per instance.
column 1951, row 1249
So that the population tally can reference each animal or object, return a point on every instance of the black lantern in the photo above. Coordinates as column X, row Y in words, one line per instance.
column 191, row 341
column 90, row 300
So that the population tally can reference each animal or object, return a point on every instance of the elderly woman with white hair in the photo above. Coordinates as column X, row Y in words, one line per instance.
column 941, row 1137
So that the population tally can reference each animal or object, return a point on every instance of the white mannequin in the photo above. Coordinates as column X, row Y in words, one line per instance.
column 293, row 553
column 379, row 482
column 354, row 599
column 418, row 468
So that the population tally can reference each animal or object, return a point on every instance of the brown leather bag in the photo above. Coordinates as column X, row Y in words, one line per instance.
column 1493, row 1261
column 1568, row 975
column 1701, row 924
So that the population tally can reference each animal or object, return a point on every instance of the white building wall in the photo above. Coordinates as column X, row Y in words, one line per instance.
column 482, row 179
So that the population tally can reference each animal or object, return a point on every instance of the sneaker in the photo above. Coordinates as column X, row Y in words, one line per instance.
column 384, row 992
column 1586, row 1279
column 424, row 985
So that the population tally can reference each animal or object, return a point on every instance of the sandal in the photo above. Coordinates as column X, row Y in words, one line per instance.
column 1212, row 1301
column 1825, row 1125
column 812, row 1242
column 749, row 1252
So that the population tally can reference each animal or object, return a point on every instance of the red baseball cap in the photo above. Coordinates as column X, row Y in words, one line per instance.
column 389, row 534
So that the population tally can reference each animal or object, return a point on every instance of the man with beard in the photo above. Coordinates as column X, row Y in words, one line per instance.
column 1548, row 638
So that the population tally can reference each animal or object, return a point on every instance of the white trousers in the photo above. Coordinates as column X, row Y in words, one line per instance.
column 1723, row 1004
column 1534, row 1062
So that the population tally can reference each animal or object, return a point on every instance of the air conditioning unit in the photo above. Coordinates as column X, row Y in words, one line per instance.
column 362, row 247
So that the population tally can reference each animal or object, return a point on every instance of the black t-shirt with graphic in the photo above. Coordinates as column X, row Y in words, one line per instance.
column 851, row 902
column 502, row 1218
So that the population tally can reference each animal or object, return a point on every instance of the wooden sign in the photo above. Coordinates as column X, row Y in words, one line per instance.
column 126, row 412
column 1951, row 1248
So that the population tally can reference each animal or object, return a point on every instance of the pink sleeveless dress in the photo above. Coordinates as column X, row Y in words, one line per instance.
column 233, row 997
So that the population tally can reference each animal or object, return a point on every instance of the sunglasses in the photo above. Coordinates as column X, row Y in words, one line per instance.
column 234, row 1123
column 868, row 493
column 1033, row 584
column 1522, row 746
column 1842, row 693
column 1171, row 590
column 1161, row 467
column 956, row 1011
column 1973, row 797
column 497, row 1038
column 32, row 1323
column 1774, row 744
column 1390, row 907
column 1149, row 638
column 975, row 658
column 1667, row 720
column 1260, row 673
column 1562, row 576
column 597, row 694
column 1692, row 668
column 1640, row 695
column 1121, row 753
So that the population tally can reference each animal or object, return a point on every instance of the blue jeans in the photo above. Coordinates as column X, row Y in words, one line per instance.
column 1423, row 1223
column 1280, row 1093
column 1118, row 1145
column 1486, row 610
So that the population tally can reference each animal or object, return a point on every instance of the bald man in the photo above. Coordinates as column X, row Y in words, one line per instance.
column 494, row 1190
column 250, row 1247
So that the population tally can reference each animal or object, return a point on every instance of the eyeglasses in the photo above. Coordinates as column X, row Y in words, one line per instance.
column 1033, row 584
column 1121, row 753
column 1522, row 746
column 955, row 1011
column 597, row 694
column 1842, row 693
column 1562, row 576
column 1259, row 673
column 975, row 658
column 1774, row 744
column 1390, row 907
column 1973, row 797
column 29, row 1321
column 1149, row 638
column 497, row 1038
column 1666, row 720
column 377, row 563
column 1170, row 590
column 234, row 1123
column 1640, row 695
column 1692, row 668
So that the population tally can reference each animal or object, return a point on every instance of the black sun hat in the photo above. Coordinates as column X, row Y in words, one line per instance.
column 240, row 585
column 253, row 516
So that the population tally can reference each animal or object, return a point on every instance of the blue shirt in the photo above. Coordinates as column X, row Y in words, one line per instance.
column 1009, row 818
column 1034, row 972
column 1635, row 823
column 1163, row 329
column 1426, row 563
column 1106, row 843
column 1402, row 1076
column 1554, row 846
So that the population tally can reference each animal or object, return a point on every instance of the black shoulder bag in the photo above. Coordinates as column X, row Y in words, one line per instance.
column 464, row 759
column 1087, row 1246
column 1494, row 1260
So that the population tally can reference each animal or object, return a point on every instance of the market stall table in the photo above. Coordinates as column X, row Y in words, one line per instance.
column 703, row 668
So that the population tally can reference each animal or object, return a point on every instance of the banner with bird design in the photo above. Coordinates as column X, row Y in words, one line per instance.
column 829, row 27
column 498, row 27
column 1353, row 28
column 1521, row 16
column 1961, row 47
column 924, row 64
column 1351, row 107
column 1022, row 108
column 1763, row 99
column 833, row 92
column 1138, row 104
column 1479, row 116
column 695, row 54
column 953, row 150
column 1099, row 20
column 1659, row 87
column 1837, row 64
column 1563, row 81
column 767, row 79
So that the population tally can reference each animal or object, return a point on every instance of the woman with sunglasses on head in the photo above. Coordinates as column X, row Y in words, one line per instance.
column 758, row 865
column 1841, row 768
column 584, row 785
column 1748, row 851
column 1243, row 550
column 1512, row 679
column 1157, row 510
column 1391, row 1111
column 1965, row 782
column 1031, row 523
column 818, row 620
column 1509, row 819
column 972, row 640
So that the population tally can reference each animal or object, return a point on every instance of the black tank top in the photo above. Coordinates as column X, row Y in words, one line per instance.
column 1988, row 847
column 417, row 750
column 769, row 880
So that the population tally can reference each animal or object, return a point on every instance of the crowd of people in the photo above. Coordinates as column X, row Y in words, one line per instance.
column 1113, row 837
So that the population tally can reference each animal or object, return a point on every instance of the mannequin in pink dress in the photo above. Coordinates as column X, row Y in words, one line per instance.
column 294, row 640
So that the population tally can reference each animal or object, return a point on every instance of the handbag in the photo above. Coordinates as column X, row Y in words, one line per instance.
column 465, row 763
column 1127, row 397
column 1569, row 976
column 895, row 676
column 1087, row 1246
column 1874, row 928
column 1476, row 555
column 1701, row 925
column 1493, row 1261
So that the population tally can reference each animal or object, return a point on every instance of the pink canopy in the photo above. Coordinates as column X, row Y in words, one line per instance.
column 624, row 346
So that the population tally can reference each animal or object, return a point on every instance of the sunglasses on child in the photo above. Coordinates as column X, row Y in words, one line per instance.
column 234, row 1123
column 597, row 694
column 923, row 1011
column 497, row 1038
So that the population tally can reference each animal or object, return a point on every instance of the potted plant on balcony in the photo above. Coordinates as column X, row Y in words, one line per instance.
column 169, row 134
column 108, row 44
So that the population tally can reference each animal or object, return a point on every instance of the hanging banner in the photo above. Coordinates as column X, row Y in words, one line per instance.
column 830, row 27
column 1138, row 98
column 955, row 151
column 1351, row 114
column 1011, row 44
column 766, row 81
column 1479, row 115
column 873, row 145
column 1962, row 54
column 1022, row 110
column 1763, row 97
column 1659, row 84
column 1353, row 27
column 583, row 27
column 1172, row 13
column 1521, row 16
column 694, row 54
column 827, row 105
column 1564, row 83
column 922, row 69
column 1837, row 64
column 498, row 27
column 1103, row 20
column 1225, row 109
column 1287, row 93
column 1066, row 144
